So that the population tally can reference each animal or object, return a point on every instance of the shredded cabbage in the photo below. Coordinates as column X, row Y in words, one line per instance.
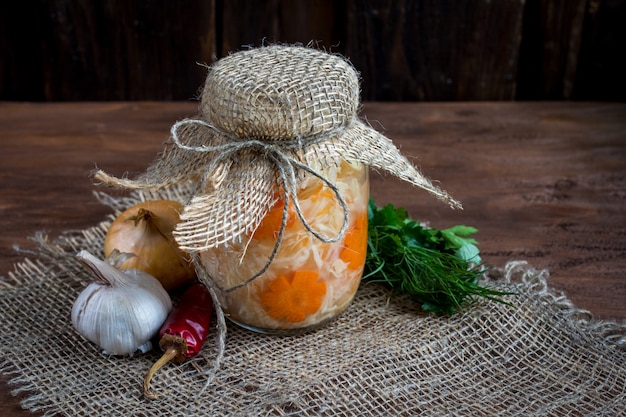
column 309, row 281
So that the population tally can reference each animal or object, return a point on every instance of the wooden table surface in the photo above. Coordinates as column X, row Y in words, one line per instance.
column 543, row 182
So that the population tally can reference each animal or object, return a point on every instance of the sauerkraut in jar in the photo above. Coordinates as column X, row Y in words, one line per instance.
column 309, row 282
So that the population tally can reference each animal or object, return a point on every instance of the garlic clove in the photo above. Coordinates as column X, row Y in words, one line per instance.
column 120, row 311
column 146, row 347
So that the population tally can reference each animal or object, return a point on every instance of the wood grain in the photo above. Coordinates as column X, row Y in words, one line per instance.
column 427, row 50
column 599, row 74
column 319, row 22
column 551, row 48
column 76, row 50
column 543, row 182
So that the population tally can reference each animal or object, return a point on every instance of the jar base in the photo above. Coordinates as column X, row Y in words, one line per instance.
column 284, row 332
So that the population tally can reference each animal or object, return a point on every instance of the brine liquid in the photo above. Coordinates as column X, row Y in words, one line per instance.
column 309, row 282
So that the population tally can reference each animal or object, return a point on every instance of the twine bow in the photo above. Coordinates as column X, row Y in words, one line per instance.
column 281, row 154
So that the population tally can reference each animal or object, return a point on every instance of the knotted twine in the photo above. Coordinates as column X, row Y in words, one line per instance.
column 267, row 117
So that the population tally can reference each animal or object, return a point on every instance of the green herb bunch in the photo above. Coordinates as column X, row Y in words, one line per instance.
column 438, row 268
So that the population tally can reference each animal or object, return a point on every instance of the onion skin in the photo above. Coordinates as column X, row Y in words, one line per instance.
column 145, row 230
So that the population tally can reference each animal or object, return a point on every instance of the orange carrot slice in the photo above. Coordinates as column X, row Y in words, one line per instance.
column 293, row 298
column 270, row 225
column 355, row 243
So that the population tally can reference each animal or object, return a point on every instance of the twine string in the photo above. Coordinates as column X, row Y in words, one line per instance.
column 280, row 153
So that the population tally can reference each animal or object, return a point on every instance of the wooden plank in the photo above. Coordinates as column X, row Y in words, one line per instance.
column 245, row 23
column 21, row 75
column 601, row 67
column 114, row 50
column 319, row 22
column 542, row 182
column 405, row 50
column 433, row 50
column 549, row 54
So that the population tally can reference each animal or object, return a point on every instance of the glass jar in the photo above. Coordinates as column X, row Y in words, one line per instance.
column 309, row 282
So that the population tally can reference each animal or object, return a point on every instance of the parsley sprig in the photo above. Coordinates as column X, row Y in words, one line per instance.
column 438, row 268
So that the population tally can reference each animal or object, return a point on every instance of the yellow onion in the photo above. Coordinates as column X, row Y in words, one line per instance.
column 145, row 231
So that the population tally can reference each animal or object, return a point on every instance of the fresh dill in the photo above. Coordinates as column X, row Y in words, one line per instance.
column 438, row 268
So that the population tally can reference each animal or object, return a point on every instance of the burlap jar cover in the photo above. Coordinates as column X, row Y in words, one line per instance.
column 265, row 113
column 382, row 357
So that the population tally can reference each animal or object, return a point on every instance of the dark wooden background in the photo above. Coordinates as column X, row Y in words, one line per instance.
column 405, row 50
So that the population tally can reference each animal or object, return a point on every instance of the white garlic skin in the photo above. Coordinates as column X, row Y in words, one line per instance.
column 123, row 315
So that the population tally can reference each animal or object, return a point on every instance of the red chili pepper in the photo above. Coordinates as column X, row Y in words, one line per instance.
column 184, row 330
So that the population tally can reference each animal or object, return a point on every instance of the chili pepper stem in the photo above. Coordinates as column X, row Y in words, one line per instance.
column 171, row 353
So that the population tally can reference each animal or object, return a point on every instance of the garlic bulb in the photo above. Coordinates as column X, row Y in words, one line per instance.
column 120, row 311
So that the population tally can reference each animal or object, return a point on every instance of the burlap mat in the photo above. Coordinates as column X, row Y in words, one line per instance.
column 382, row 357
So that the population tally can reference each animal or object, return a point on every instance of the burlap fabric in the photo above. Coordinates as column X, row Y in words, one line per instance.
column 382, row 357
